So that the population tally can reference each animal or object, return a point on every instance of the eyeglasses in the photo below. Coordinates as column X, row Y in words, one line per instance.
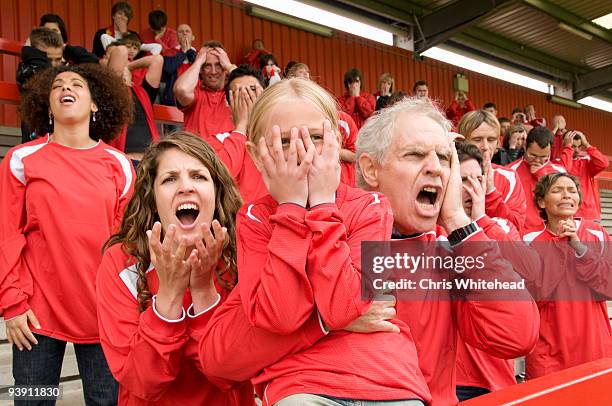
column 539, row 158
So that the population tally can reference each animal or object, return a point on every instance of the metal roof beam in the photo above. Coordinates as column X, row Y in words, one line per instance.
column 593, row 82
column 569, row 18
column 383, row 10
column 440, row 25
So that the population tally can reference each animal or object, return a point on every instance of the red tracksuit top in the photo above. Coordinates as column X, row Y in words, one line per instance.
column 507, row 201
column 349, row 131
column 58, row 205
column 573, row 332
column 500, row 329
column 476, row 367
column 208, row 115
column 586, row 168
column 454, row 112
column 533, row 221
column 232, row 151
column 292, row 261
column 360, row 108
column 156, row 362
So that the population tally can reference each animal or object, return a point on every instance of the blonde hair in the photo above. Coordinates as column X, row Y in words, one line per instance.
column 386, row 77
column 474, row 119
column 295, row 87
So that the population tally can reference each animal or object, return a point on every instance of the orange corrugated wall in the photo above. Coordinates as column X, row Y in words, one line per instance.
column 328, row 58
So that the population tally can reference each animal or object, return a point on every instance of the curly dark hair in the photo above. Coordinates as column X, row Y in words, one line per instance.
column 108, row 92
column 141, row 211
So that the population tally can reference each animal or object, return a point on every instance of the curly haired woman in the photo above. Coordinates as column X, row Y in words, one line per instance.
column 61, row 197
column 172, row 262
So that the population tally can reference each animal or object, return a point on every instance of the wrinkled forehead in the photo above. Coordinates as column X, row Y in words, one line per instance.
column 184, row 28
column 244, row 81
column 420, row 131
column 211, row 59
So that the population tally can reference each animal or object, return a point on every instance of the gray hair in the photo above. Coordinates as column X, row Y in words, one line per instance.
column 376, row 135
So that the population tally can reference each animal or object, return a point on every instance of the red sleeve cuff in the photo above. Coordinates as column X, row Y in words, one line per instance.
column 15, row 310
column 291, row 208
column 160, row 329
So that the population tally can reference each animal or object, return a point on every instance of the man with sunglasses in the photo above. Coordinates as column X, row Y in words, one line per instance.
column 535, row 164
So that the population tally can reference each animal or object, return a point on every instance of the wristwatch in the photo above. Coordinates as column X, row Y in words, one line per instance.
column 462, row 233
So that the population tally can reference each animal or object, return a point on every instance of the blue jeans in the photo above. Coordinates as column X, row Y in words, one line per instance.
column 306, row 399
column 43, row 366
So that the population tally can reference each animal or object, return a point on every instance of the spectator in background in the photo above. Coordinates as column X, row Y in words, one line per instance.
column 269, row 68
column 121, row 14
column 533, row 166
column 174, row 66
column 358, row 104
column 559, row 130
column 504, row 124
column 514, row 142
column 385, row 89
column 43, row 49
column 258, row 49
column 505, row 198
column 531, row 117
column 584, row 161
column 420, row 89
column 396, row 97
column 159, row 33
column 55, row 23
column 244, row 85
column 203, row 101
column 459, row 107
column 490, row 107
column 143, row 76
column 298, row 70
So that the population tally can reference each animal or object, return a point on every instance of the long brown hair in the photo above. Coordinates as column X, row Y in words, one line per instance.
column 141, row 211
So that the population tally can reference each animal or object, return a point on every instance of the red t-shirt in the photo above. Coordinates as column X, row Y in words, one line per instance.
column 360, row 108
column 209, row 115
column 349, row 132
column 168, row 41
column 58, row 205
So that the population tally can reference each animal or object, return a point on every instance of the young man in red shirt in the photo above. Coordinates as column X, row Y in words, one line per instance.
column 199, row 94
column 505, row 195
column 358, row 104
column 159, row 33
column 535, row 164
column 584, row 161
column 414, row 164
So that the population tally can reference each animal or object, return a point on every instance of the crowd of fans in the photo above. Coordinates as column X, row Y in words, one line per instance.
column 225, row 258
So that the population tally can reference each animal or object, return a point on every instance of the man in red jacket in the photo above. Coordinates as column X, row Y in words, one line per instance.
column 358, row 104
column 414, row 164
column 535, row 164
column 584, row 161
column 459, row 107
column 203, row 101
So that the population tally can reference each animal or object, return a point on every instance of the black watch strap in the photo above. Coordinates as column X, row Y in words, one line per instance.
column 462, row 233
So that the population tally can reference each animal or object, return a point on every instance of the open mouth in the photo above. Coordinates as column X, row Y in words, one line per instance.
column 427, row 196
column 67, row 100
column 187, row 213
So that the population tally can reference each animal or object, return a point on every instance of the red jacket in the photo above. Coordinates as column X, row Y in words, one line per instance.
column 349, row 132
column 455, row 111
column 508, row 199
column 533, row 221
column 359, row 108
column 436, row 322
column 573, row 332
column 232, row 151
column 476, row 367
column 293, row 261
column 586, row 168
column 57, row 207
column 209, row 116
column 154, row 361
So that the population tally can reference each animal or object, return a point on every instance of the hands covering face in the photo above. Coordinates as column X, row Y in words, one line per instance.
column 295, row 172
